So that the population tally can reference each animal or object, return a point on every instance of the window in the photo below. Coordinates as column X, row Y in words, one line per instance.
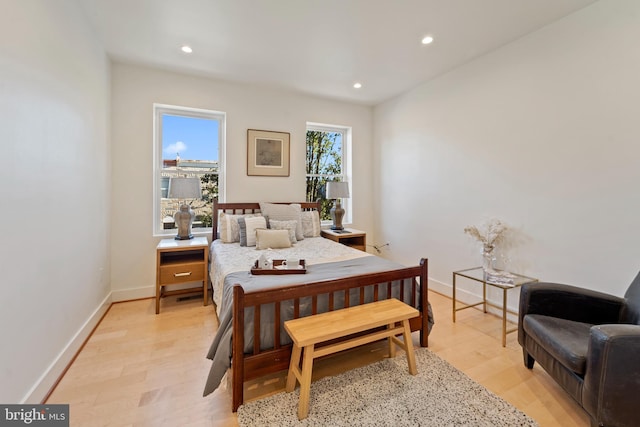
column 328, row 149
column 188, row 142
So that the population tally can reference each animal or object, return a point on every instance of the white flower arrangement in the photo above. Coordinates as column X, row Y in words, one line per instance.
column 493, row 234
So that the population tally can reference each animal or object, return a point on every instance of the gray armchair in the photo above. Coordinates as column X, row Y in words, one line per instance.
column 589, row 342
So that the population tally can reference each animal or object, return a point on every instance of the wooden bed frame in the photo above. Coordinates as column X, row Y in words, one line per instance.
column 245, row 367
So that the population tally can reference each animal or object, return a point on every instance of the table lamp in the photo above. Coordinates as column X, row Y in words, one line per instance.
column 184, row 188
column 337, row 190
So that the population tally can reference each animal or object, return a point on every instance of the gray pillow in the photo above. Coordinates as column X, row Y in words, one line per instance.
column 228, row 226
column 248, row 227
column 284, row 213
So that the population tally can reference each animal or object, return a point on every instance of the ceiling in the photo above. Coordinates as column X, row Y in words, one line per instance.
column 319, row 47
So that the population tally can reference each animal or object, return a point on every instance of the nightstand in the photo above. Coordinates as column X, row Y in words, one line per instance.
column 178, row 262
column 355, row 238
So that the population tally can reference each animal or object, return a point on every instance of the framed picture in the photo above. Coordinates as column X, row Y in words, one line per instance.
column 267, row 153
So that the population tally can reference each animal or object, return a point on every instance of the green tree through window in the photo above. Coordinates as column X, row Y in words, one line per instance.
column 324, row 163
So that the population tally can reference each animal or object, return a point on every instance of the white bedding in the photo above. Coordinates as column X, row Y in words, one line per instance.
column 226, row 258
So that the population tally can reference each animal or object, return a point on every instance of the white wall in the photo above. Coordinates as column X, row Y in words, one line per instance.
column 54, row 106
column 134, row 91
column 543, row 134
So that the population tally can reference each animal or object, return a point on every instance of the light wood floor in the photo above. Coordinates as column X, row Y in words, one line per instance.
column 142, row 369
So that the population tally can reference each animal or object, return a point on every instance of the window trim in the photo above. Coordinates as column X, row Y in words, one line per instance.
column 346, row 175
column 158, row 111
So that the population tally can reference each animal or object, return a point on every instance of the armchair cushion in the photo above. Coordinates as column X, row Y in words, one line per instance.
column 569, row 303
column 567, row 341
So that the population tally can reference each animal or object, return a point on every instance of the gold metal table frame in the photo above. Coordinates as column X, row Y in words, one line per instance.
column 477, row 274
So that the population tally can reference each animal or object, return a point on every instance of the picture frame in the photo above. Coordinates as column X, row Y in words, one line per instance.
column 268, row 153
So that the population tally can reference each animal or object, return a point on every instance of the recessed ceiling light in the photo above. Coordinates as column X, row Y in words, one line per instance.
column 186, row 49
column 427, row 40
column 357, row 85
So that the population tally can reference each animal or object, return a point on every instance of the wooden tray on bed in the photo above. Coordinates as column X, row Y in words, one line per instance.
column 276, row 263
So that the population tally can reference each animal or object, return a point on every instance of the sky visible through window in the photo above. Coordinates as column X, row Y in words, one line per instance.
column 191, row 137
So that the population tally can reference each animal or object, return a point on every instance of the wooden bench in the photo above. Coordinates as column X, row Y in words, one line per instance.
column 306, row 332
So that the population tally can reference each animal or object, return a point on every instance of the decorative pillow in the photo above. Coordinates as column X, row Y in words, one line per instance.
column 229, row 228
column 248, row 228
column 285, row 225
column 272, row 239
column 310, row 223
column 284, row 213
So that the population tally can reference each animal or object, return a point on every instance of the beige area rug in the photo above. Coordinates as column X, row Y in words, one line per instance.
column 385, row 394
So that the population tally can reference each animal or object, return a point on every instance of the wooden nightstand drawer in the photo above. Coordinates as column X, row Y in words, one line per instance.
column 181, row 273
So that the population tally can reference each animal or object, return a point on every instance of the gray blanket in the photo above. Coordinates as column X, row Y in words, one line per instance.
column 220, row 351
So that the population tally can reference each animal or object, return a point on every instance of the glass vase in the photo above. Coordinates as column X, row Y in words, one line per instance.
column 487, row 261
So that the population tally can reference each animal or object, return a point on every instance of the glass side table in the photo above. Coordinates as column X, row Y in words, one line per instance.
column 477, row 274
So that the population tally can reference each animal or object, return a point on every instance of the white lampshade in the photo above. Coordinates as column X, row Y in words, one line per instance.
column 184, row 188
column 337, row 190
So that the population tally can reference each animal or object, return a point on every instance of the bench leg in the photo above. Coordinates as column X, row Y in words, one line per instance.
column 408, row 348
column 294, row 365
column 305, row 382
column 392, row 345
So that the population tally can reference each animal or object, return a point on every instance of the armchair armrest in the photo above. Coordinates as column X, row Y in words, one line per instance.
column 569, row 302
column 612, row 379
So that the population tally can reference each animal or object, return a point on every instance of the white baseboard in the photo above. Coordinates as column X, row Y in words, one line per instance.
column 133, row 293
column 440, row 287
column 146, row 292
column 467, row 297
column 52, row 374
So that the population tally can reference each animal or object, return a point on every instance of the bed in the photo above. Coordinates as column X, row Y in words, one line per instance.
column 252, row 308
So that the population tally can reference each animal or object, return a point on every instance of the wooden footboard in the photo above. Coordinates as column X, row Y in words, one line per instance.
column 264, row 361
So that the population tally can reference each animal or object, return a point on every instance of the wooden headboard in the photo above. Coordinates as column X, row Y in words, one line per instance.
column 248, row 208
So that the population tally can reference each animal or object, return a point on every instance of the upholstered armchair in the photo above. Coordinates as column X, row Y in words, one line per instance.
column 589, row 342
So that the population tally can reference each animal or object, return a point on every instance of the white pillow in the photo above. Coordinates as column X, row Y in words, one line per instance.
column 229, row 228
column 284, row 213
column 248, row 228
column 290, row 226
column 272, row 239
column 310, row 223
